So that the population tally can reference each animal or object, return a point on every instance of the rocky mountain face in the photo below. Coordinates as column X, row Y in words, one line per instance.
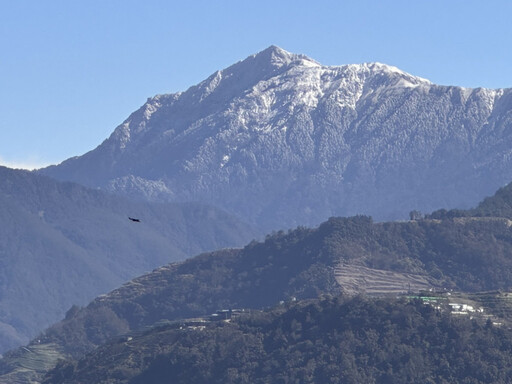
column 62, row 244
column 282, row 140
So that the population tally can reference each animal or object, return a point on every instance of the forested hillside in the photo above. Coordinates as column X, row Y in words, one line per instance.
column 333, row 340
column 460, row 252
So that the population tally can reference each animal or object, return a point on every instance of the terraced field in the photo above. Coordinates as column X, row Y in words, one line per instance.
column 27, row 363
column 356, row 279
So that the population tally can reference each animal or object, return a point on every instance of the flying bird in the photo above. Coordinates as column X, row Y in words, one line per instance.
column 134, row 220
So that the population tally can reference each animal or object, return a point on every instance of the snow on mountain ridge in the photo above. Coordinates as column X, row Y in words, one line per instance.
column 345, row 83
column 282, row 138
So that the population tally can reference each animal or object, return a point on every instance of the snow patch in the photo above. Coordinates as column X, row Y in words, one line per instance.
column 225, row 159
column 123, row 135
column 212, row 83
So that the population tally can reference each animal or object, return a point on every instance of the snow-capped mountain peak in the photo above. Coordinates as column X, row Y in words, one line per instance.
column 283, row 140
column 279, row 57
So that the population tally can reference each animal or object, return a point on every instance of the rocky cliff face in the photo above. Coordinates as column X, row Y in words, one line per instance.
column 282, row 140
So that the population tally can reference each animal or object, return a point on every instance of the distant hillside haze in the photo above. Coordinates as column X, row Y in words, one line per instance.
column 62, row 244
column 282, row 140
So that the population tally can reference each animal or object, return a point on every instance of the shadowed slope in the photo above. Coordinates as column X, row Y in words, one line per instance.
column 63, row 244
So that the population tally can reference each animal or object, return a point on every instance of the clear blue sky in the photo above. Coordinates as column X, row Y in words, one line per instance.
column 71, row 71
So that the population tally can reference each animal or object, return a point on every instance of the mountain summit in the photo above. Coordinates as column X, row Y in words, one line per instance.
column 282, row 140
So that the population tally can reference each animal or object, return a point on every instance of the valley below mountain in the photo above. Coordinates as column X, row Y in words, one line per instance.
column 446, row 251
